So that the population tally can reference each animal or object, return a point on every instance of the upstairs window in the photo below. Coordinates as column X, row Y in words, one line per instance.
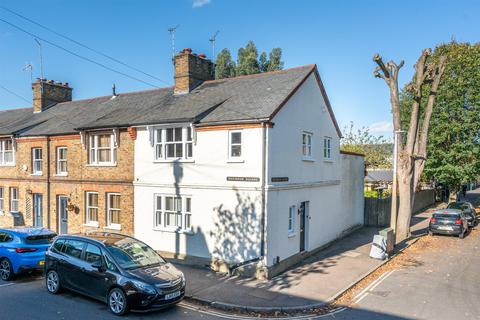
column 37, row 161
column 6, row 152
column 62, row 161
column 14, row 199
column 102, row 149
column 307, row 145
column 327, row 148
column 173, row 143
column 235, row 145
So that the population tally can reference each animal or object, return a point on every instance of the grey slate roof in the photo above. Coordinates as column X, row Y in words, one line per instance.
column 379, row 175
column 243, row 98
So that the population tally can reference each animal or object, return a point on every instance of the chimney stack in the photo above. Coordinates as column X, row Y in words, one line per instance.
column 47, row 93
column 191, row 70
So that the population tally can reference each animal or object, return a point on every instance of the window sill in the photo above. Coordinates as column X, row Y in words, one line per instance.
column 37, row 174
column 308, row 159
column 328, row 160
column 235, row 161
column 117, row 227
column 102, row 165
column 61, row 175
column 175, row 160
column 7, row 165
column 292, row 234
column 174, row 230
column 92, row 225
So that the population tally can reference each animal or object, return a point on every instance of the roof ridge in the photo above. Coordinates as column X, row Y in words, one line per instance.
column 311, row 66
column 120, row 94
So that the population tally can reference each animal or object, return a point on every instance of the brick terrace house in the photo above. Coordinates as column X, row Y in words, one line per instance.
column 55, row 176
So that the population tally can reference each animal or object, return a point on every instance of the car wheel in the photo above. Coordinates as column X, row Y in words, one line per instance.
column 6, row 270
column 117, row 302
column 52, row 281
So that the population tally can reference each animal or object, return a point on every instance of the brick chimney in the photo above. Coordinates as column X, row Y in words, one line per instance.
column 191, row 70
column 47, row 93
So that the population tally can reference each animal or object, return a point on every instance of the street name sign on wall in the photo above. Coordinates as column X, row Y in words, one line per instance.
column 244, row 179
column 279, row 179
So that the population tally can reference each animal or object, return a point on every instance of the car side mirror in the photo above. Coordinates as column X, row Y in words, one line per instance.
column 98, row 265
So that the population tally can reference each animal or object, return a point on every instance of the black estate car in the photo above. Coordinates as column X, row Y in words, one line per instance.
column 448, row 221
column 468, row 209
column 123, row 272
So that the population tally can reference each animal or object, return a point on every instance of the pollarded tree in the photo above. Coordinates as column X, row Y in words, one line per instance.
column 453, row 139
column 412, row 151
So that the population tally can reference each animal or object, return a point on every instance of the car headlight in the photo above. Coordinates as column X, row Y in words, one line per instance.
column 144, row 287
column 183, row 279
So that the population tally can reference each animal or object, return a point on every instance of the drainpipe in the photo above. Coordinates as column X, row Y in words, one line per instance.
column 264, row 169
column 48, row 182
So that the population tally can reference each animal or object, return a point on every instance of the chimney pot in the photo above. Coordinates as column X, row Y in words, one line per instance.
column 202, row 55
column 187, row 50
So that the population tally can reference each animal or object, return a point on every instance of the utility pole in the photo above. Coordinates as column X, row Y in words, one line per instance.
column 212, row 41
column 40, row 49
column 394, row 209
column 172, row 35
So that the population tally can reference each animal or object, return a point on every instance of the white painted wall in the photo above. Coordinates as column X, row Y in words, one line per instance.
column 334, row 188
column 225, row 214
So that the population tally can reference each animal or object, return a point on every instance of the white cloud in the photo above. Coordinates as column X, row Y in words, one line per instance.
column 381, row 127
column 200, row 3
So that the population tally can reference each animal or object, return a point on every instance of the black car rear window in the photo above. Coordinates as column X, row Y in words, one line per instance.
column 73, row 248
column 40, row 239
column 446, row 216
column 57, row 246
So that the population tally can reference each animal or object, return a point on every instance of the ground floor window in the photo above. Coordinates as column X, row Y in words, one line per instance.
column 92, row 208
column 291, row 220
column 14, row 198
column 113, row 209
column 2, row 197
column 172, row 212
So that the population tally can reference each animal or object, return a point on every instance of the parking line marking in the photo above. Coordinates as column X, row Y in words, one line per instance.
column 372, row 287
column 6, row 285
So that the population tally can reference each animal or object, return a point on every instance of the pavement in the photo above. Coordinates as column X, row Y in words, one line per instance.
column 316, row 281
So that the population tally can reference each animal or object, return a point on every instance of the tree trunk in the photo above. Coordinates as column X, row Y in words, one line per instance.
column 405, row 205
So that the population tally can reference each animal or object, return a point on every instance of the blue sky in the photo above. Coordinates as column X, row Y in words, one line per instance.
column 339, row 36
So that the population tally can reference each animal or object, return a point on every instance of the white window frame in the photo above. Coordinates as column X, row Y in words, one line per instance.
column 60, row 161
column 232, row 158
column 2, row 199
column 307, row 145
column 4, row 152
column 160, row 213
column 94, row 150
column 37, row 163
column 160, row 143
column 110, row 210
column 88, row 206
column 291, row 224
column 14, row 199
column 327, row 148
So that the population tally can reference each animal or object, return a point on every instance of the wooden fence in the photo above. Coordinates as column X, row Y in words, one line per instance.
column 377, row 211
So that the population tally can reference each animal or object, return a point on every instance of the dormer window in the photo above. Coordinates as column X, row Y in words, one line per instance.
column 174, row 143
column 7, row 156
column 102, row 150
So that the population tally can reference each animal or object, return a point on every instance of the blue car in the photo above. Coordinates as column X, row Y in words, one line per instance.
column 23, row 249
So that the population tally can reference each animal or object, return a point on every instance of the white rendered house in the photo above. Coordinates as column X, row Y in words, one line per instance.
column 242, row 171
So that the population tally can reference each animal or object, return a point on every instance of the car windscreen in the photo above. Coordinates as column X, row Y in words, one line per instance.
column 40, row 239
column 131, row 254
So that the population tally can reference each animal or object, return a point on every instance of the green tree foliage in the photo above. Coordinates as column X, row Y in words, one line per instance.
column 248, row 62
column 377, row 150
column 225, row 66
column 275, row 60
column 453, row 140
